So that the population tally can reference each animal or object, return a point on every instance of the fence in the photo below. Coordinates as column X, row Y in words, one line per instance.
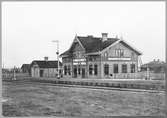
column 151, row 75
column 139, row 75
column 10, row 75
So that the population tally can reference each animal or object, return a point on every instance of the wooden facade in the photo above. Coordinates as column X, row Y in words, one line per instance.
column 91, row 57
column 45, row 69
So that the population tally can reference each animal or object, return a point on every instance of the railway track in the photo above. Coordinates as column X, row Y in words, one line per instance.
column 85, row 86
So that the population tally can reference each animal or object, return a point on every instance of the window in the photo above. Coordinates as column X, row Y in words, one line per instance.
column 65, row 70
column 79, row 70
column 74, row 55
column 90, row 69
column 116, row 53
column 69, row 70
column 124, row 68
column 119, row 52
column 95, row 69
column 133, row 56
column 132, row 68
column 79, row 54
column 105, row 54
column 106, row 69
column 115, row 68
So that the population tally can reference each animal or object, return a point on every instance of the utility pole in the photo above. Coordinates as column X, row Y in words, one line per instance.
column 14, row 74
column 57, row 41
column 3, row 67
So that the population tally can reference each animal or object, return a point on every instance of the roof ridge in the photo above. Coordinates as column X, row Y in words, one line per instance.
column 97, row 37
column 88, row 36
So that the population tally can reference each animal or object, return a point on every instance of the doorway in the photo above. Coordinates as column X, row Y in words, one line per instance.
column 41, row 73
column 75, row 72
column 83, row 72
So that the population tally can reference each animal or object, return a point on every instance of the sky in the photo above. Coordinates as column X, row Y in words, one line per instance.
column 28, row 28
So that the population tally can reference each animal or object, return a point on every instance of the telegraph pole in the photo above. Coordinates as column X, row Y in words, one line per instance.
column 57, row 41
column 14, row 74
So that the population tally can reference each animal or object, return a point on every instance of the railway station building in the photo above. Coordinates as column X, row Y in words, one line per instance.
column 100, row 57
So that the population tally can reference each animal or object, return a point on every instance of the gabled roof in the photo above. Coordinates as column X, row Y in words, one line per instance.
column 95, row 44
column 154, row 64
column 130, row 47
column 46, row 64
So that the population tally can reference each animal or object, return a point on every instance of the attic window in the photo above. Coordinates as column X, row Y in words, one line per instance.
column 122, row 53
column 105, row 54
column 119, row 52
column 132, row 55
column 79, row 54
column 74, row 55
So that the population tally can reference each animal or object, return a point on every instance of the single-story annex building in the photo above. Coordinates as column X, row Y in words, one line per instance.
column 45, row 68
column 100, row 57
column 25, row 68
column 155, row 66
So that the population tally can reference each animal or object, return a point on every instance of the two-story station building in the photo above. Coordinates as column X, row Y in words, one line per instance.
column 100, row 57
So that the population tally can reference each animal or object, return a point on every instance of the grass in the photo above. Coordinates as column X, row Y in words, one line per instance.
column 39, row 100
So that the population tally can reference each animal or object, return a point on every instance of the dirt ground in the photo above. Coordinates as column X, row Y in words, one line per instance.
column 25, row 99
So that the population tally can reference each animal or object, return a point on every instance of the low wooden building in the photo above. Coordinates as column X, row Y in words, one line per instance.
column 154, row 70
column 155, row 66
column 45, row 68
column 25, row 68
column 100, row 57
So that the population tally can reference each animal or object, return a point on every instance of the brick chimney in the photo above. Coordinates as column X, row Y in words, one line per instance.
column 104, row 36
column 46, row 58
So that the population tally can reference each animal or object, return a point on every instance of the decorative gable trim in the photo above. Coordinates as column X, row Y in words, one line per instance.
column 34, row 64
column 119, row 42
column 110, row 46
column 140, row 53
column 76, row 39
